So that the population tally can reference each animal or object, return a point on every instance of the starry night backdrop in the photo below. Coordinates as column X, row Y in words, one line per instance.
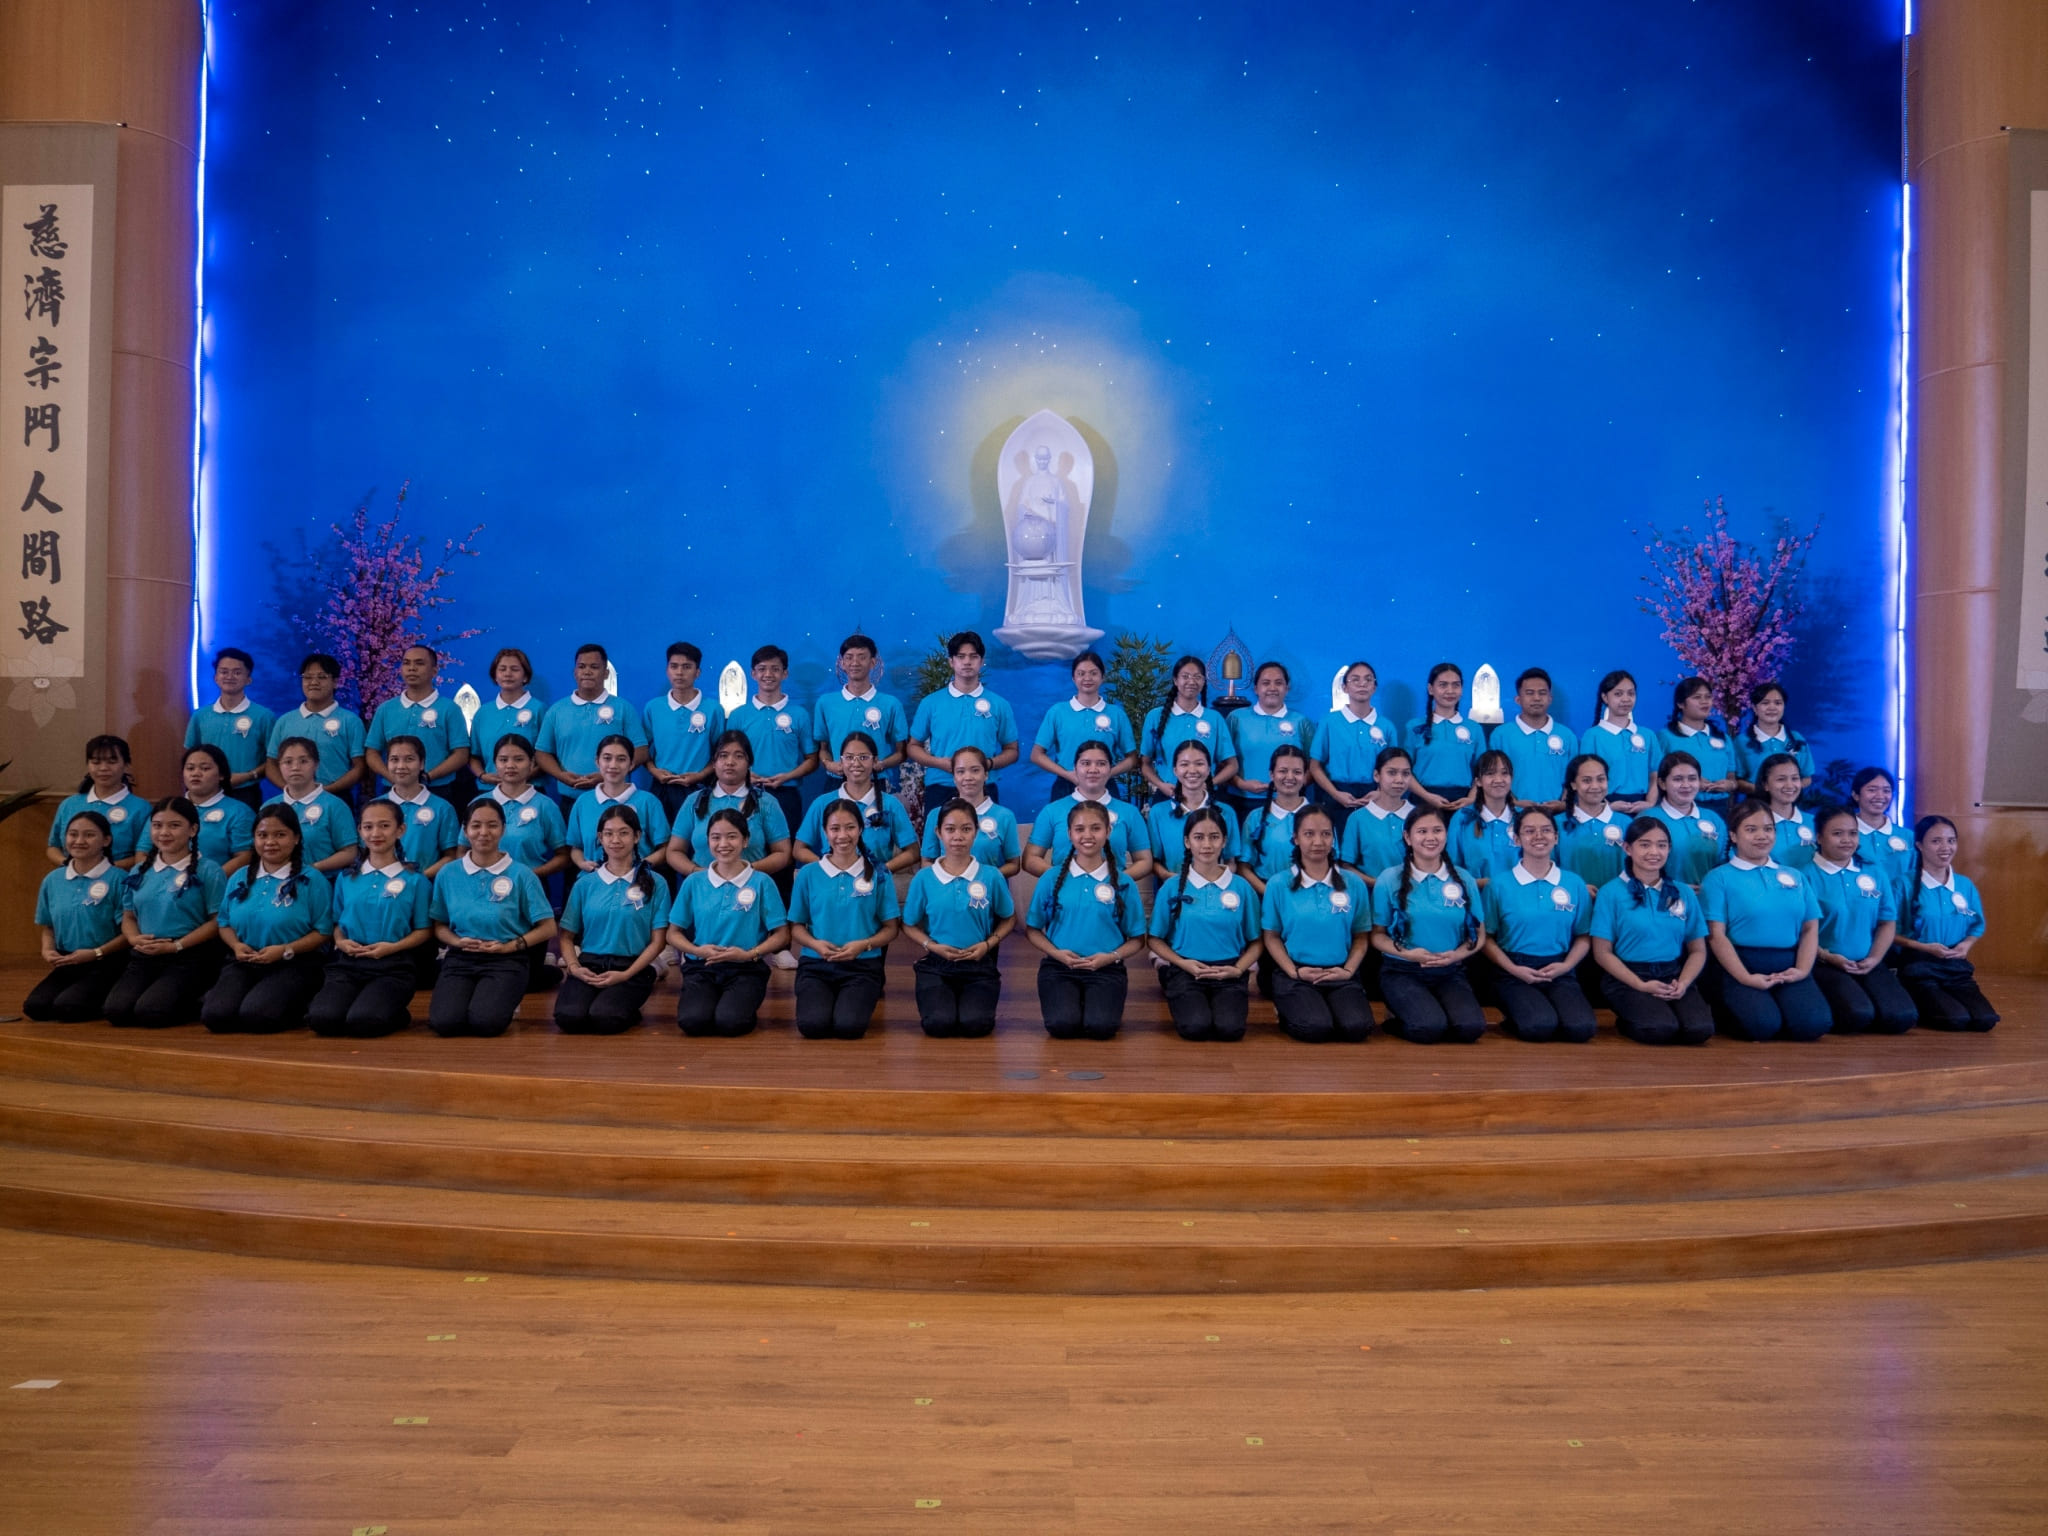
column 1398, row 321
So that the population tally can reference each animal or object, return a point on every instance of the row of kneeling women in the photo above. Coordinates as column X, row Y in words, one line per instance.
column 1759, row 947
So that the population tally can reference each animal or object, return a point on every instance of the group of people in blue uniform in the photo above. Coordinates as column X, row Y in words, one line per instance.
column 1328, row 861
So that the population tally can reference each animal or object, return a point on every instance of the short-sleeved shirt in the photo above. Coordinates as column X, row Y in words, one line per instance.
column 1450, row 756
column 1698, row 841
column 242, row 734
column 1166, row 831
column 495, row 902
column 1349, row 745
column 995, row 837
column 1642, row 929
column 1628, row 751
column 780, row 732
column 430, row 828
column 1207, row 920
column 1539, row 757
column 1947, row 913
column 765, row 827
column 226, row 827
column 592, row 803
column 1268, row 839
column 841, row 905
column 958, row 910
column 1166, row 727
column 948, row 720
column 497, row 718
column 1071, row 725
column 1710, row 748
column 1316, row 921
column 1854, row 900
column 1439, row 907
column 1128, row 831
column 1889, row 849
column 572, row 728
column 1373, row 837
column 885, row 827
column 534, row 829
column 1537, row 915
column 1763, row 905
column 337, row 733
column 1259, row 735
column 1097, row 911
column 81, row 911
column 381, row 906
column 680, row 735
column 1483, row 842
column 127, row 816
column 1793, row 843
column 612, row 914
column 170, row 901
column 326, row 825
column 1591, row 847
column 735, row 914
column 264, row 908
column 838, row 714
column 435, row 720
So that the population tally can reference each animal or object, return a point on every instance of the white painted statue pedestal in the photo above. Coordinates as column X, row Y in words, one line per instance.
column 1046, row 476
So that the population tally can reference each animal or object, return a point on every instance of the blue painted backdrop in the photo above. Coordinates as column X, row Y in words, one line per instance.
column 1397, row 321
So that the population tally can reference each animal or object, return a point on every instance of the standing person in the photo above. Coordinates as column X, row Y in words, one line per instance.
column 237, row 726
column 886, row 832
column 1373, row 837
column 512, row 711
column 780, row 730
column 995, row 836
column 490, row 911
column 275, row 919
column 1446, row 746
column 1086, row 920
column 1086, row 717
column 1482, row 839
column 383, row 937
column 573, row 726
column 1778, row 786
column 418, row 710
column 1763, row 926
column 681, row 725
column 613, row 929
column 225, row 823
column 1591, row 848
column 960, row 911
column 858, row 705
column 325, row 821
column 1260, row 731
column 842, row 918
column 1883, row 843
column 1347, row 743
column 1316, row 925
column 1536, row 745
column 614, row 786
column 1858, row 920
column 431, row 834
column 109, row 789
column 1650, row 938
column 1628, row 750
column 731, row 788
column 1269, row 832
column 169, row 913
column 1425, row 927
column 1766, row 735
column 1941, row 922
column 727, row 919
column 1699, row 838
column 1184, row 716
column 1697, row 731
column 964, row 713
column 78, row 919
column 337, row 734
column 1206, row 929
column 1191, row 792
column 535, row 833
column 1537, row 921
column 1130, row 842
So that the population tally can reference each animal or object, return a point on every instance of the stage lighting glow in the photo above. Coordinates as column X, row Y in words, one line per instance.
column 202, row 523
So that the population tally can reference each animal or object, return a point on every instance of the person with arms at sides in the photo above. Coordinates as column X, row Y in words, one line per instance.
column 337, row 734
column 1537, row 919
column 886, row 833
column 842, row 917
column 1206, row 930
column 1778, row 786
column 1086, row 717
column 996, row 840
column 512, row 711
column 731, row 788
column 1858, row 919
column 962, row 714
column 1130, row 843
column 1940, row 921
column 108, row 789
column 1185, row 716
column 1086, row 920
column 418, row 710
column 1482, row 839
column 858, row 705
column 614, row 786
column 535, row 833
column 1347, row 743
column 960, row 911
column 1538, row 746
column 325, row 821
column 225, row 823
column 613, row 929
column 1591, row 847
column 1763, row 926
column 169, row 913
column 1695, row 730
column 275, row 919
column 1698, row 837
column 1425, row 926
column 1316, row 924
column 1883, row 844
column 1650, row 940
column 1767, row 735
column 780, row 729
column 431, row 836
column 726, row 920
column 1628, row 750
column 681, row 725
column 1446, row 747
column 236, row 725
column 1192, row 788
column 78, row 919
column 1373, row 837
column 1260, row 731
column 1269, row 832
column 572, row 727
column 383, row 936
column 490, row 911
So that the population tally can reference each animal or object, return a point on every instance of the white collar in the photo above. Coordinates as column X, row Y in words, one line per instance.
column 1691, row 730
column 1079, row 708
column 121, row 792
column 1745, row 866
column 1453, row 718
column 519, row 703
column 982, row 809
column 1279, row 812
column 186, row 862
column 1198, row 711
column 739, row 879
column 624, row 797
column 1523, row 877
column 1544, row 729
column 1946, row 883
column 872, row 799
column 1099, row 872
column 210, row 801
column 1221, row 882
column 954, row 690
column 406, row 701
column 1796, row 818
column 852, row 697
column 605, row 874
column 265, row 872
column 1628, row 725
column 222, row 709
column 1821, row 863
column 422, row 798
column 833, row 871
column 1371, row 717
column 1308, row 880
column 1080, row 799
column 1270, row 714
column 318, row 714
column 691, row 703
column 1189, row 810
column 780, row 704
column 1675, row 814
column 498, row 794
column 395, row 867
column 1606, row 815
column 1884, row 828
column 1758, row 733
column 1380, row 815
column 471, row 867
column 1443, row 872
column 973, row 872
column 96, row 872
column 1490, row 816
column 720, row 792
column 602, row 698
column 286, row 796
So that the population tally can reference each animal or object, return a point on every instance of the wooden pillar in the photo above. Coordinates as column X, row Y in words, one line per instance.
column 1974, row 68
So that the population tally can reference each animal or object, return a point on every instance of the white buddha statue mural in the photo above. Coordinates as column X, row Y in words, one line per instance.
column 1046, row 476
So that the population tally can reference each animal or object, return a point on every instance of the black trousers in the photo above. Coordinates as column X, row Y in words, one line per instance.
column 1318, row 1012
column 1651, row 1020
column 1947, row 994
column 365, row 999
column 721, row 999
column 1339, row 812
column 1555, row 1010
column 835, row 999
column 1205, row 1010
column 159, row 991
column 250, row 794
column 477, row 994
column 956, row 999
column 72, row 994
column 1079, row 1005
column 1875, row 1002
column 1795, row 1010
column 581, row 1009
column 261, row 999
column 1427, row 1006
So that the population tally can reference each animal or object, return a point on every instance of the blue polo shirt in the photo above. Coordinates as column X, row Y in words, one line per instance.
column 765, row 827
column 1854, row 900
column 1209, row 921
column 1166, row 727
column 841, row 905
column 242, row 734
column 611, row 915
column 1711, row 748
column 1269, row 839
column 338, row 734
column 1641, row 928
column 1438, row 907
column 1258, row 735
column 534, row 829
column 573, row 726
column 1793, row 843
column 435, row 720
column 1528, row 915
column 1750, row 752
column 169, row 903
column 430, row 828
column 680, row 735
column 780, row 732
column 1943, row 914
column 496, row 719
column 1763, row 905
column 1450, row 755
column 1485, row 845
column 381, row 906
column 1888, row 849
column 1167, row 833
column 1630, row 752
column 1372, row 837
column 495, row 902
column 585, row 810
column 839, row 714
column 225, row 828
column 264, row 909
column 1698, row 842
column 1069, row 726
column 1591, row 846
column 1128, row 831
column 326, row 825
column 127, row 816
column 885, row 824
column 1347, row 745
column 1538, row 757
column 948, row 720
column 81, row 911
column 737, row 913
column 1097, row 912
column 958, row 910
column 1316, row 921
column 995, row 838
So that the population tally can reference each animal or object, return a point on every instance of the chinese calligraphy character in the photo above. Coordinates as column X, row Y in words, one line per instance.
column 43, row 239
column 42, row 363
column 40, row 418
column 45, row 294
column 38, row 625
column 35, row 495
column 39, row 554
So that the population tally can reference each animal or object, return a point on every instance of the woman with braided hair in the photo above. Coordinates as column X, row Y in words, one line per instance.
column 1205, row 928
